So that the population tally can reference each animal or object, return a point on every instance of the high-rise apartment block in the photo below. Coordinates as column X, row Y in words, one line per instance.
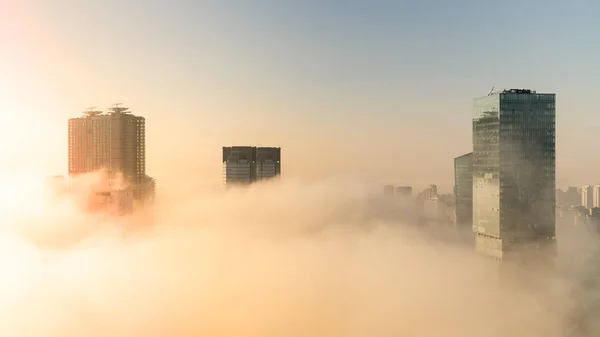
column 429, row 192
column 587, row 196
column 113, row 141
column 463, row 189
column 514, row 174
column 244, row 165
column 596, row 197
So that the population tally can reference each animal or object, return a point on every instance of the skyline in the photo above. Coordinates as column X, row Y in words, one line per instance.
column 200, row 73
column 423, row 152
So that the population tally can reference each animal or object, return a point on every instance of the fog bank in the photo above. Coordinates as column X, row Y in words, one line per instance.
column 276, row 259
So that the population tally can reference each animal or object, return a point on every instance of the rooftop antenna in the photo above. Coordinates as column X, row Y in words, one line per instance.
column 491, row 91
column 118, row 108
column 92, row 111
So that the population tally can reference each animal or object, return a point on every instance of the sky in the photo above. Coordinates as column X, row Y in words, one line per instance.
column 381, row 90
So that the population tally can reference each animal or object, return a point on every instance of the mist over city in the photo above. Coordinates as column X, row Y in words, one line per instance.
column 292, row 168
column 318, row 265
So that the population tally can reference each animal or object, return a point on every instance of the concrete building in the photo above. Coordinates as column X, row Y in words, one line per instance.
column 437, row 211
column 572, row 196
column 463, row 189
column 268, row 162
column 514, row 176
column 150, row 189
column 429, row 192
column 403, row 191
column 243, row 165
column 113, row 141
column 587, row 196
column 596, row 197
column 431, row 209
column 388, row 190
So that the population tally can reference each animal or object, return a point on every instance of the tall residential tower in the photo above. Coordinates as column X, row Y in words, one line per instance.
column 514, row 174
column 113, row 141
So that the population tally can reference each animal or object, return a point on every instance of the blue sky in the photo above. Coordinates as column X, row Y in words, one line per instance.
column 391, row 80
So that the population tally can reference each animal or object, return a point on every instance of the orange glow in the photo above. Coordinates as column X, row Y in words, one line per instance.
column 256, row 262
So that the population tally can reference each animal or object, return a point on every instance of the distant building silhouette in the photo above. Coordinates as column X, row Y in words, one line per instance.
column 243, row 165
column 596, row 197
column 430, row 192
column 388, row 190
column 403, row 191
column 514, row 175
column 587, row 196
column 113, row 141
column 463, row 189
column 572, row 196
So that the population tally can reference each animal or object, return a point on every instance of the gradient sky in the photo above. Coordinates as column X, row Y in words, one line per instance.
column 382, row 89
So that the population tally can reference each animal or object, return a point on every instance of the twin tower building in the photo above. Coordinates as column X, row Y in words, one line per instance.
column 243, row 165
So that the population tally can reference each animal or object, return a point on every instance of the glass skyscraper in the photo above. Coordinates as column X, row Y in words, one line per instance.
column 463, row 189
column 514, row 174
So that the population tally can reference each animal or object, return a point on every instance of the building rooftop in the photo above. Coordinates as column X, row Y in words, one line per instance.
column 464, row 155
column 518, row 91
column 512, row 91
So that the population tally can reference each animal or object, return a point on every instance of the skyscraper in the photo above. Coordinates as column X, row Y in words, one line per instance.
column 463, row 189
column 113, row 141
column 268, row 162
column 514, row 174
column 243, row 165
column 587, row 196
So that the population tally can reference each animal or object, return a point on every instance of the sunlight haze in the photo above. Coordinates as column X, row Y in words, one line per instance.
column 269, row 168
column 391, row 81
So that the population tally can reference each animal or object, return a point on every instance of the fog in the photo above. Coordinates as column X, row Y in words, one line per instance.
column 276, row 259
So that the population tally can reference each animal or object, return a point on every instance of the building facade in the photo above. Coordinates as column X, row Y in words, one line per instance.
column 404, row 191
column 114, row 142
column 587, row 196
column 514, row 174
column 596, row 196
column 243, row 165
column 429, row 192
column 572, row 196
column 388, row 190
column 268, row 162
column 463, row 189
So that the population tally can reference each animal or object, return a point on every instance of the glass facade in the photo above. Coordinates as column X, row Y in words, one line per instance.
column 243, row 165
column 463, row 189
column 513, row 171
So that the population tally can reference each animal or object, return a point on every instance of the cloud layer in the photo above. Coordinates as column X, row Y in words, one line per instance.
column 276, row 259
